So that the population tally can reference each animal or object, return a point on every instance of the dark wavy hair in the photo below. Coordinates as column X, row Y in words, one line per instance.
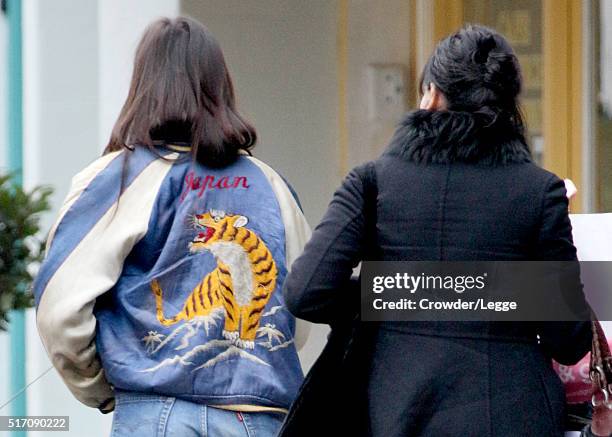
column 479, row 75
column 181, row 91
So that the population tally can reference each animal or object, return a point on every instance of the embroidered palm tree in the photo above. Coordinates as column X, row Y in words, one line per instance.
column 272, row 333
column 152, row 339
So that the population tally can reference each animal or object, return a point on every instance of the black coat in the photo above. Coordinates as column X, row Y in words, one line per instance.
column 441, row 192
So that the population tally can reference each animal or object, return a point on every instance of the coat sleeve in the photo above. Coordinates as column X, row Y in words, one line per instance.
column 566, row 342
column 319, row 287
column 95, row 232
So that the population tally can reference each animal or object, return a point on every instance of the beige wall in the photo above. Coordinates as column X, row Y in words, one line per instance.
column 379, row 31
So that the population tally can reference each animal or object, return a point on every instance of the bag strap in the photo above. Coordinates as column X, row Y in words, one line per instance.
column 600, row 367
column 370, row 198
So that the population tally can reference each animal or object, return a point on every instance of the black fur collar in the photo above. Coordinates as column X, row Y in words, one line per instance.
column 453, row 136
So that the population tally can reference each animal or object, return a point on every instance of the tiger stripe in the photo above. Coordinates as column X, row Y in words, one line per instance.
column 201, row 296
column 266, row 269
column 246, row 234
column 254, row 247
column 222, row 235
column 264, row 257
column 193, row 303
column 266, row 283
column 216, row 289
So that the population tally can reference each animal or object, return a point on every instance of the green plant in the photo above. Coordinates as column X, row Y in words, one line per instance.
column 20, row 245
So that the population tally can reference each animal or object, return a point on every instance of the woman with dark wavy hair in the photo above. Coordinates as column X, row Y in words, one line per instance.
column 457, row 183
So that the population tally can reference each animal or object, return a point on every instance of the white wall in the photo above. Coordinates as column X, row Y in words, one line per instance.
column 121, row 25
column 60, row 91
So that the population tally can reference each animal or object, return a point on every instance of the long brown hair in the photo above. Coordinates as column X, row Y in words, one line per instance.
column 180, row 81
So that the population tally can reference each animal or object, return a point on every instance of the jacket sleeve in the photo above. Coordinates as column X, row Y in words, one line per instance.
column 319, row 287
column 96, row 230
column 297, row 231
column 566, row 342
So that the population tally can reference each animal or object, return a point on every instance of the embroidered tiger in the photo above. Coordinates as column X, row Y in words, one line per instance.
column 242, row 282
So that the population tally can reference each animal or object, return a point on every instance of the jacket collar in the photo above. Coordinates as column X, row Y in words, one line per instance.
column 452, row 136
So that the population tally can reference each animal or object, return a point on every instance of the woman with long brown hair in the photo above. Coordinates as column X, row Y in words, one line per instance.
column 159, row 295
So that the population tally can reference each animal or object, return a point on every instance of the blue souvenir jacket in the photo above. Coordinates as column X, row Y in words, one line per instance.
column 171, row 285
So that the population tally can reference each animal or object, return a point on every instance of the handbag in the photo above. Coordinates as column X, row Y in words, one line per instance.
column 333, row 388
column 600, row 373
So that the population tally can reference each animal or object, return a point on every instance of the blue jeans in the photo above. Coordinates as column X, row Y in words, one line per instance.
column 143, row 415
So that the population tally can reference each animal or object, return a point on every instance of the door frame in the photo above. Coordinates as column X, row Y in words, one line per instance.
column 563, row 86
